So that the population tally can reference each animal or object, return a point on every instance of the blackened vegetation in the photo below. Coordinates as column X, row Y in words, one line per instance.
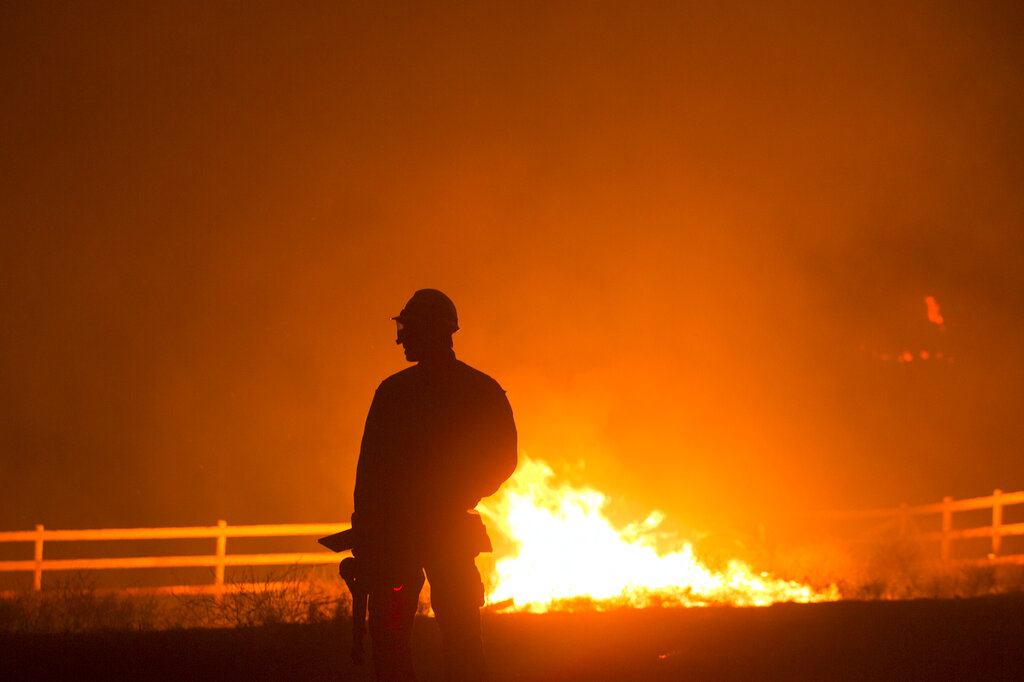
column 918, row 640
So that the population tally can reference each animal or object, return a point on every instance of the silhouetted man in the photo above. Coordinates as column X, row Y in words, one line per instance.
column 438, row 438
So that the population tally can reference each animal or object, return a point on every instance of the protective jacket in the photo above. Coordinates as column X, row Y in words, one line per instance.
column 438, row 438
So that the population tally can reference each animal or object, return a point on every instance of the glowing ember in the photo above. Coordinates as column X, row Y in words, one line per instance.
column 933, row 311
column 566, row 552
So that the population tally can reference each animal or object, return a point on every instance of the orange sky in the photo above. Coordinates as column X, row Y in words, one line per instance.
column 678, row 236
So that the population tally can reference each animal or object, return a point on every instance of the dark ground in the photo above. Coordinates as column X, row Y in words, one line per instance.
column 969, row 639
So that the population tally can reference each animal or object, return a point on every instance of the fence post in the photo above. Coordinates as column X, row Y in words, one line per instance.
column 947, row 525
column 222, row 550
column 37, row 579
column 997, row 521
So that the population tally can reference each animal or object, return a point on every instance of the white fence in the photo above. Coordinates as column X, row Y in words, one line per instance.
column 905, row 517
column 219, row 560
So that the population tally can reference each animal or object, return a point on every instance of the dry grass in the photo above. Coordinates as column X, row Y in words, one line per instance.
column 289, row 596
column 75, row 605
column 893, row 568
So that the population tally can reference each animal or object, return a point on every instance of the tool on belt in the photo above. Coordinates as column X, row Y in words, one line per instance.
column 349, row 571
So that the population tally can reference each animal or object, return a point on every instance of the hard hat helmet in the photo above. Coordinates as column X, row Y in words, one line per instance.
column 430, row 309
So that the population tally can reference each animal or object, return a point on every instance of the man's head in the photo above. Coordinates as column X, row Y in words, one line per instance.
column 426, row 324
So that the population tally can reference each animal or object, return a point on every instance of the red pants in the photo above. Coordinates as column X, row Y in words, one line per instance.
column 456, row 595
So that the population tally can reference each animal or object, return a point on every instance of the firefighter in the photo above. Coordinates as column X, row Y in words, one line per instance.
column 439, row 437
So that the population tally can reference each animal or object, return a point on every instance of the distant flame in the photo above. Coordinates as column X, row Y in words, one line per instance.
column 907, row 356
column 935, row 317
column 933, row 311
column 565, row 550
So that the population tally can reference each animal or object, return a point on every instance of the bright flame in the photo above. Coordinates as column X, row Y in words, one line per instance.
column 567, row 550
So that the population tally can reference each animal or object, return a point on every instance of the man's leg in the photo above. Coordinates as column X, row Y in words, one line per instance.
column 456, row 595
column 392, row 611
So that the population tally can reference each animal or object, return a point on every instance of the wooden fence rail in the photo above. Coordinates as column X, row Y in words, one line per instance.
column 219, row 560
column 997, row 502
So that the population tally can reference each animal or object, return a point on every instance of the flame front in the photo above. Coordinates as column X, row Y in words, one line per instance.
column 567, row 552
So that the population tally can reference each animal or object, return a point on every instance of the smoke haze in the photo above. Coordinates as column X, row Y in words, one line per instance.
column 690, row 241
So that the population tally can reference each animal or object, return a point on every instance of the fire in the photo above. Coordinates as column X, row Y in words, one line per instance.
column 567, row 552
column 933, row 311
column 935, row 317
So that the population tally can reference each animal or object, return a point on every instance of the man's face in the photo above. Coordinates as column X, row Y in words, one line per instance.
column 419, row 339
column 411, row 338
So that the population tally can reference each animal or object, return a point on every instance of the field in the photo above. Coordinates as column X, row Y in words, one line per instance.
column 923, row 639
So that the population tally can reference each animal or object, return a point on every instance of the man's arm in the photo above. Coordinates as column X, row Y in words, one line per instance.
column 370, row 468
column 503, row 453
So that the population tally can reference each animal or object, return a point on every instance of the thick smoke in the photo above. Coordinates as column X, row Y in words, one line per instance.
column 680, row 237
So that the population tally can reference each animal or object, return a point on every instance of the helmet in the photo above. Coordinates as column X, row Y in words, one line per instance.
column 432, row 309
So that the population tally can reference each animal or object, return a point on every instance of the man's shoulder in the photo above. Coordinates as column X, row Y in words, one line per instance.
column 398, row 380
column 474, row 376
column 463, row 374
